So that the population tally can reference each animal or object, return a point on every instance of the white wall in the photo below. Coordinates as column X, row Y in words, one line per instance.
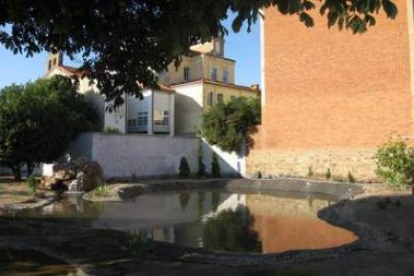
column 231, row 164
column 135, row 155
column 188, row 108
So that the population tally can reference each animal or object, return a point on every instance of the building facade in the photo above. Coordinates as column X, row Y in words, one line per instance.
column 331, row 98
column 204, row 78
column 154, row 114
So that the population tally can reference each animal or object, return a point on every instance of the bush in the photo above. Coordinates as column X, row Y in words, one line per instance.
column 31, row 183
column 328, row 174
column 395, row 163
column 215, row 166
column 108, row 129
column 310, row 172
column 351, row 178
column 201, row 167
column 184, row 168
column 228, row 125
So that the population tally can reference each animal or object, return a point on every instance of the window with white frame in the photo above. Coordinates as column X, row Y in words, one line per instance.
column 219, row 98
column 210, row 98
column 214, row 74
column 225, row 76
column 161, row 117
column 186, row 73
column 143, row 118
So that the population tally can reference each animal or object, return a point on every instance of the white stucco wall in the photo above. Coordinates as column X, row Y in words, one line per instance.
column 188, row 108
column 136, row 155
column 231, row 164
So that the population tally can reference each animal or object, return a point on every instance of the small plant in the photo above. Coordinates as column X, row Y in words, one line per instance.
column 184, row 168
column 137, row 244
column 259, row 175
column 101, row 190
column 31, row 183
column 215, row 166
column 310, row 172
column 328, row 174
column 351, row 178
column 395, row 163
column 201, row 167
column 108, row 129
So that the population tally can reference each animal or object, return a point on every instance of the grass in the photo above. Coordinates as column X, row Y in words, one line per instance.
column 101, row 190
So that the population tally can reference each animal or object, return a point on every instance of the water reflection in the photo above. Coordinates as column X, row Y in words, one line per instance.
column 231, row 231
column 215, row 219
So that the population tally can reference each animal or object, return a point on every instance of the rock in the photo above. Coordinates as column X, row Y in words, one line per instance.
column 92, row 176
column 65, row 171
column 73, row 186
column 46, row 182
column 59, row 186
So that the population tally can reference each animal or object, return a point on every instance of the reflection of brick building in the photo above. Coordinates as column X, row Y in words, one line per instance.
column 331, row 98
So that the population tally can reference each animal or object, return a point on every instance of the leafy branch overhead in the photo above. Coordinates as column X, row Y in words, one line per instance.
column 125, row 41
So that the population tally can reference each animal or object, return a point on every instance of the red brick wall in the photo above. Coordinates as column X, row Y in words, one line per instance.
column 326, row 88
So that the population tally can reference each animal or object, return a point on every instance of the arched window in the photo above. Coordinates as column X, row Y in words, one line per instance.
column 210, row 98
column 50, row 65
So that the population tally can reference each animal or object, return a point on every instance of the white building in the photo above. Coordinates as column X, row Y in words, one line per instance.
column 154, row 114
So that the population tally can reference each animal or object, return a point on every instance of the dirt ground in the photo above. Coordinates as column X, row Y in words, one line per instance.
column 12, row 192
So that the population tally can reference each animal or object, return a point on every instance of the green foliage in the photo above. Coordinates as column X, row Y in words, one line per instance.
column 351, row 178
column 201, row 167
column 99, row 28
column 228, row 125
column 184, row 168
column 102, row 190
column 108, row 129
column 31, row 183
column 215, row 166
column 328, row 174
column 38, row 120
column 137, row 244
column 395, row 163
column 310, row 172
column 231, row 231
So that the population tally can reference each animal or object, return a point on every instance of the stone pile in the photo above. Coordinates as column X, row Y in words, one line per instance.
column 74, row 175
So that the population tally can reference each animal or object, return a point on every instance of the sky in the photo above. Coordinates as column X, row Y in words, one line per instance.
column 243, row 47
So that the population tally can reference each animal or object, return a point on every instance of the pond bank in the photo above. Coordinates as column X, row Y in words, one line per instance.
column 102, row 252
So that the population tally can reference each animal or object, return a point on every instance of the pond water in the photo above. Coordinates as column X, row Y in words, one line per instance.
column 214, row 219
column 32, row 263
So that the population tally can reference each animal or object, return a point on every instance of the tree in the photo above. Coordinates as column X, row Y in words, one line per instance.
column 228, row 125
column 38, row 120
column 126, row 41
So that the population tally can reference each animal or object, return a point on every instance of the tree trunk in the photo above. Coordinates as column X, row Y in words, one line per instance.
column 17, row 174
column 30, row 168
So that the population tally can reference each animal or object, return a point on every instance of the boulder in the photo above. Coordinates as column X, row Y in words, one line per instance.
column 65, row 171
column 92, row 176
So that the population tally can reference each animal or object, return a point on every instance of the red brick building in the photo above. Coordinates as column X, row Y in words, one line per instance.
column 330, row 97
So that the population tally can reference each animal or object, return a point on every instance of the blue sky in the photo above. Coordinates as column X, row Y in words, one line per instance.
column 243, row 47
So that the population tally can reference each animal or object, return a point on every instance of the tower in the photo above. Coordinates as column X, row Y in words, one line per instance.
column 53, row 60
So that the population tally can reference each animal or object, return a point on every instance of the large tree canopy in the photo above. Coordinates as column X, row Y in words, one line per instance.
column 38, row 121
column 125, row 41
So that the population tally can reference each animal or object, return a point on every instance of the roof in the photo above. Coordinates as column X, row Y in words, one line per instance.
column 193, row 53
column 166, row 88
column 229, row 85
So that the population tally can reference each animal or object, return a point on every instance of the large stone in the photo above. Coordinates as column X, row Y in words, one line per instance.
column 65, row 171
column 92, row 176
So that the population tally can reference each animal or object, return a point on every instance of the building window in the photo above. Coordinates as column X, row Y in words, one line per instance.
column 225, row 76
column 210, row 99
column 161, row 117
column 219, row 98
column 214, row 74
column 186, row 73
column 54, row 62
column 142, row 118
column 132, row 122
column 50, row 65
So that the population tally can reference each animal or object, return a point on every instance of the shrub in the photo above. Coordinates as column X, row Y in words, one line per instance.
column 395, row 163
column 184, row 168
column 328, row 174
column 351, row 178
column 201, row 167
column 31, row 183
column 215, row 166
column 108, row 129
column 101, row 190
column 310, row 172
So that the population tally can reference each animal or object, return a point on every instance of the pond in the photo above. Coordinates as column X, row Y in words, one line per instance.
column 220, row 220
